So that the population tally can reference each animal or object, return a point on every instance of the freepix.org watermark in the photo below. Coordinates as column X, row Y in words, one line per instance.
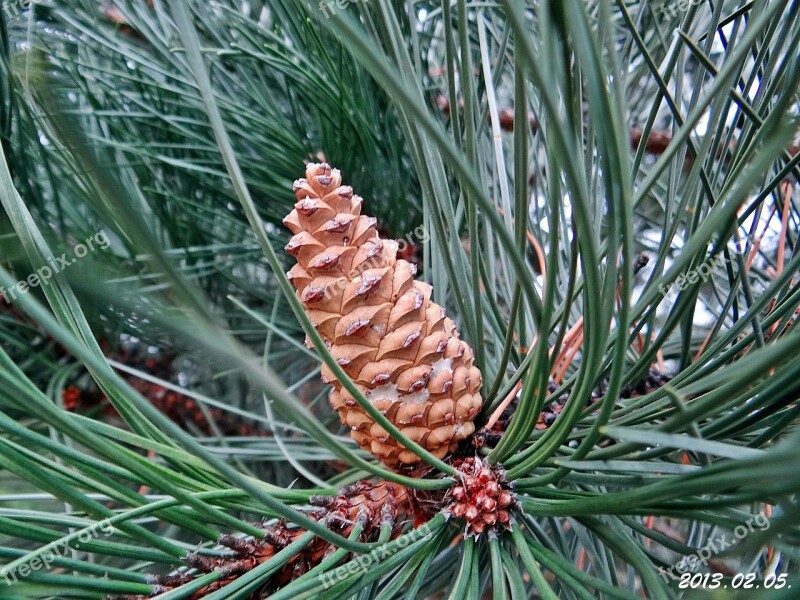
column 363, row 562
column 704, row 271
column 14, row 8
column 56, row 551
column 671, row 8
column 701, row 273
column 328, row 7
column 714, row 546
column 55, row 265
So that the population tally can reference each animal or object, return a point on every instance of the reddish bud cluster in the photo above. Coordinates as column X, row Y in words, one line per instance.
column 483, row 498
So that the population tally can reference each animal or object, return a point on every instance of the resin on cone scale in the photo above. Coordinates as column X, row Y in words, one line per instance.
column 381, row 326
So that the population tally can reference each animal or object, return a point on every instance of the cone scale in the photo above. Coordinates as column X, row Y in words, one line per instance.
column 381, row 326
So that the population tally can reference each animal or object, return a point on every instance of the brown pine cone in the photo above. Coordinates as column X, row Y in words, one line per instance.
column 381, row 326
column 368, row 504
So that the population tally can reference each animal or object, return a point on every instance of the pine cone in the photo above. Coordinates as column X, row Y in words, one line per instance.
column 372, row 505
column 381, row 326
